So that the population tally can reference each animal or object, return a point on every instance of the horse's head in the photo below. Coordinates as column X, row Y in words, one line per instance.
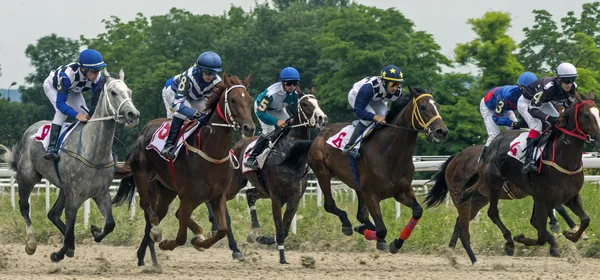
column 115, row 101
column 235, row 104
column 309, row 110
column 426, row 115
column 582, row 119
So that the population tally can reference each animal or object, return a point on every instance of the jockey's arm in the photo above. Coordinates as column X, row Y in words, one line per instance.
column 363, row 98
column 501, row 120
column 181, row 94
column 64, row 83
column 96, row 90
column 535, row 106
column 262, row 103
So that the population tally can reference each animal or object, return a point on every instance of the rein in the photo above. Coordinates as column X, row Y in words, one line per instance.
column 113, row 114
column 416, row 115
column 309, row 122
column 228, row 116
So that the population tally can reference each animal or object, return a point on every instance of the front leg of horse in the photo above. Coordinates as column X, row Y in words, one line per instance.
column 104, row 205
column 372, row 203
column 576, row 206
column 494, row 214
column 330, row 206
column 183, row 214
column 219, row 207
column 409, row 200
column 68, row 248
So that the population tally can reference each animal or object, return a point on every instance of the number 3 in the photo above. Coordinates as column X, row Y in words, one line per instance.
column 499, row 107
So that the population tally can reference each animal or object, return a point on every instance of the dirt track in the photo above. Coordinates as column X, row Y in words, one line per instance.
column 108, row 262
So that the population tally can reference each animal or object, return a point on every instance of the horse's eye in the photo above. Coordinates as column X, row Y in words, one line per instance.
column 113, row 93
column 422, row 107
column 233, row 101
column 586, row 116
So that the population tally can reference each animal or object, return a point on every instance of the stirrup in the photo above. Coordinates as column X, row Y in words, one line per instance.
column 351, row 153
column 168, row 152
column 52, row 154
column 252, row 163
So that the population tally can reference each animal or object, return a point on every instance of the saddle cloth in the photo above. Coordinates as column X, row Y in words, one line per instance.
column 159, row 137
column 340, row 139
column 42, row 134
column 518, row 145
column 260, row 158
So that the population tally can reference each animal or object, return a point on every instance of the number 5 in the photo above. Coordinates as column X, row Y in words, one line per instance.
column 263, row 105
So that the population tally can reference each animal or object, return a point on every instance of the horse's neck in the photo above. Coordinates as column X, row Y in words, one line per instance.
column 213, row 137
column 98, row 136
column 568, row 150
column 400, row 143
column 300, row 132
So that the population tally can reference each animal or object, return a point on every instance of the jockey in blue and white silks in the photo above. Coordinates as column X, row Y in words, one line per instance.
column 270, row 108
column 368, row 99
column 186, row 94
column 498, row 105
column 64, row 87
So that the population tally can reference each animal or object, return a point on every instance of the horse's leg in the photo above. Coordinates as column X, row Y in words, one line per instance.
column 329, row 204
column 105, row 206
column 553, row 221
column 539, row 217
column 251, row 198
column 362, row 215
column 408, row 198
column 494, row 214
column 563, row 213
column 146, row 203
column 236, row 253
column 372, row 203
column 276, row 206
column 146, row 242
column 72, row 204
column 576, row 206
column 219, row 206
column 56, row 211
column 25, row 189
column 161, row 197
column 211, row 219
column 184, row 214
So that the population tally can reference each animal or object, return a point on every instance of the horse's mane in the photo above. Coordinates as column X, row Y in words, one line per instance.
column 569, row 113
column 400, row 104
column 213, row 100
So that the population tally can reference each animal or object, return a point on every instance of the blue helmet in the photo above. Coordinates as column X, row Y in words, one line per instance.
column 210, row 61
column 289, row 74
column 392, row 73
column 526, row 78
column 91, row 59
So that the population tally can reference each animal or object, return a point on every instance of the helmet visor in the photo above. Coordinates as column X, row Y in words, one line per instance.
column 567, row 80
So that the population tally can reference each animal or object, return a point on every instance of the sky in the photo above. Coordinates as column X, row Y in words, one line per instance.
column 23, row 22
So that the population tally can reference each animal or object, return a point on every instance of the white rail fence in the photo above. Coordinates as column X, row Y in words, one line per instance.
column 422, row 163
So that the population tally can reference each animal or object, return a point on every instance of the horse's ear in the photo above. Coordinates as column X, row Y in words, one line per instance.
column 226, row 79
column 412, row 91
column 122, row 75
column 591, row 95
column 247, row 81
column 430, row 90
column 312, row 89
column 105, row 73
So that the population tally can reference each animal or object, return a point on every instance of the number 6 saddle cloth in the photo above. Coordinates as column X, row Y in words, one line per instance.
column 340, row 139
column 159, row 137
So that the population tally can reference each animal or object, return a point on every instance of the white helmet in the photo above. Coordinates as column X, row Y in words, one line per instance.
column 566, row 70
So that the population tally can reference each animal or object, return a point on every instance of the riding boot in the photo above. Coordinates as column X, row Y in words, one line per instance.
column 349, row 150
column 260, row 145
column 529, row 163
column 482, row 154
column 168, row 150
column 52, row 153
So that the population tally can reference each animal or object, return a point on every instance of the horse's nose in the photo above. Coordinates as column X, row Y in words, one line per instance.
column 131, row 116
column 322, row 120
column 442, row 132
column 248, row 130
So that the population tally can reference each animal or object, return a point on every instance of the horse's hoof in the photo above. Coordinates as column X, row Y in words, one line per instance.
column 518, row 237
column 347, row 231
column 283, row 262
column 30, row 247
column 54, row 257
column 252, row 235
column 265, row 240
column 395, row 245
column 96, row 232
column 360, row 228
column 213, row 233
column 163, row 245
column 197, row 238
column 381, row 245
column 554, row 252
column 509, row 251
column 555, row 228
column 156, row 234
column 238, row 256
column 70, row 253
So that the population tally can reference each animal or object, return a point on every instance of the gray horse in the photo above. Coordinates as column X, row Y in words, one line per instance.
column 85, row 169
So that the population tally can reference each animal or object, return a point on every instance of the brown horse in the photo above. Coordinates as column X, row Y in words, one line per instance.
column 558, row 181
column 198, row 177
column 452, row 176
column 385, row 168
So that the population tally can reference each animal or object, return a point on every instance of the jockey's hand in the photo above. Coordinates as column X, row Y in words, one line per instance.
column 281, row 123
column 379, row 119
column 515, row 125
column 552, row 120
column 82, row 117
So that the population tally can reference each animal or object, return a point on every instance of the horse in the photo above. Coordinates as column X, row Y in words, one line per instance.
column 385, row 168
column 85, row 169
column 281, row 184
column 453, row 174
column 195, row 177
column 558, row 181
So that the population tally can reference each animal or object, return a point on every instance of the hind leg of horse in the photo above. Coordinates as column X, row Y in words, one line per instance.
column 408, row 199
column 25, row 189
column 236, row 253
column 563, row 213
column 494, row 214
column 362, row 215
column 105, row 206
column 146, row 203
column 372, row 204
column 276, row 206
column 538, row 219
column 576, row 206
column 329, row 204
column 71, row 206
column 161, row 197
column 56, row 211
column 219, row 206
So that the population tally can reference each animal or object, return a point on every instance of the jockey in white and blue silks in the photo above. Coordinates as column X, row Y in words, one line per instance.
column 186, row 94
column 270, row 108
column 368, row 99
column 64, row 87
column 497, row 108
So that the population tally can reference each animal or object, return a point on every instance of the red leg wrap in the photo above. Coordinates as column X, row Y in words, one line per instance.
column 405, row 234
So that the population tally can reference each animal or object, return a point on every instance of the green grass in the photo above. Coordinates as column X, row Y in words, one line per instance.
column 318, row 230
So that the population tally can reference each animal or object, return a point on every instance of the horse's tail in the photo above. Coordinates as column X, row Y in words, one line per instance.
column 297, row 155
column 470, row 188
column 9, row 157
column 438, row 193
column 126, row 191
column 124, row 170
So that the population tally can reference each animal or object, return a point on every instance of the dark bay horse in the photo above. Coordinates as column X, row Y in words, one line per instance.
column 559, row 180
column 385, row 168
column 451, row 178
column 281, row 184
column 198, row 177
column 86, row 166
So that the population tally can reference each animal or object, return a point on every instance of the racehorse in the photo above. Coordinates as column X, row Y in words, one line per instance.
column 558, row 180
column 281, row 184
column 85, row 169
column 385, row 168
column 451, row 178
column 195, row 176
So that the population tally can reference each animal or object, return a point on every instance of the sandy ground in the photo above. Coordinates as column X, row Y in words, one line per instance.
column 109, row 262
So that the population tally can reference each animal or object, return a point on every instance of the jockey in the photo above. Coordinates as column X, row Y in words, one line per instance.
column 535, row 105
column 368, row 96
column 186, row 94
column 270, row 109
column 64, row 87
column 498, row 105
